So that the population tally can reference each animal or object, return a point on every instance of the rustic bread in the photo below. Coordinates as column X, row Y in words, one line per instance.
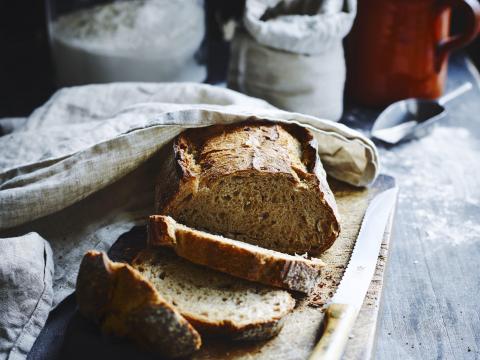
column 127, row 305
column 234, row 257
column 213, row 302
column 258, row 182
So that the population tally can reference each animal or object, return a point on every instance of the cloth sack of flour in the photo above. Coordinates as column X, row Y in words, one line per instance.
column 290, row 53
column 80, row 171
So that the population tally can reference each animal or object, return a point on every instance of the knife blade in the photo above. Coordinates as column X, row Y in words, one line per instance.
column 342, row 311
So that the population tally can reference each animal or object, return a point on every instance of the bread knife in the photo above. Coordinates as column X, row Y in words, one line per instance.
column 342, row 311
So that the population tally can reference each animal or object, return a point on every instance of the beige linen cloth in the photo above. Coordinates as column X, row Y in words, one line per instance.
column 79, row 172
column 290, row 53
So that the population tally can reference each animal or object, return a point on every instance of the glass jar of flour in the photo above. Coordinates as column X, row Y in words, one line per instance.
column 129, row 40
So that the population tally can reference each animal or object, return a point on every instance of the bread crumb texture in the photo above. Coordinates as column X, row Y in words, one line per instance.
column 262, row 183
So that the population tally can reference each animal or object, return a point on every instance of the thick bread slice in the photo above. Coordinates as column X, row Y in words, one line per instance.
column 125, row 304
column 234, row 257
column 213, row 302
column 258, row 182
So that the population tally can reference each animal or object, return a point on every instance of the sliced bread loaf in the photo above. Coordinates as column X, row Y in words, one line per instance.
column 127, row 305
column 213, row 302
column 258, row 182
column 234, row 257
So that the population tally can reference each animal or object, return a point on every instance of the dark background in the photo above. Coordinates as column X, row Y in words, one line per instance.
column 26, row 73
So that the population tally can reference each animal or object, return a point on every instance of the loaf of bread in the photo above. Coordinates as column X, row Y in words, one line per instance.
column 235, row 257
column 215, row 303
column 125, row 304
column 258, row 182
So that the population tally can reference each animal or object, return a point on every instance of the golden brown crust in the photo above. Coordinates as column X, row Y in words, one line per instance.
column 199, row 157
column 234, row 257
column 125, row 304
column 252, row 332
column 95, row 284
column 173, row 179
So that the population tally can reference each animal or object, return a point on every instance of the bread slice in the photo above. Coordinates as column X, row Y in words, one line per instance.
column 213, row 302
column 234, row 257
column 127, row 305
column 258, row 182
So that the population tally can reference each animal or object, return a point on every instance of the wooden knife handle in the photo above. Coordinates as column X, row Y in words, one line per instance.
column 339, row 320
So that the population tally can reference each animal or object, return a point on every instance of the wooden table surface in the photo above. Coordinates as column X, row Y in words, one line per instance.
column 431, row 307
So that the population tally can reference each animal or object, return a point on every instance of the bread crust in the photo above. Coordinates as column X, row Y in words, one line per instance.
column 196, row 159
column 125, row 304
column 235, row 257
column 252, row 332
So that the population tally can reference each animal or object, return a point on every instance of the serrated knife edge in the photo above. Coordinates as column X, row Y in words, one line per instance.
column 362, row 263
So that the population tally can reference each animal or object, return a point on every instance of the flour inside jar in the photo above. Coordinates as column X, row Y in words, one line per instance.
column 136, row 40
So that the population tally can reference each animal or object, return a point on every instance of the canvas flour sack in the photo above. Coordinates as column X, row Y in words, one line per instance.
column 290, row 53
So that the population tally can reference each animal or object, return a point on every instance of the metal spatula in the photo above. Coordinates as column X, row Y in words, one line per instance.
column 412, row 118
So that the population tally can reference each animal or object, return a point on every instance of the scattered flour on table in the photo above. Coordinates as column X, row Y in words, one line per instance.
column 428, row 172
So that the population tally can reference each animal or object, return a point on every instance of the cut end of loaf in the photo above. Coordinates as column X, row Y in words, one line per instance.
column 277, row 212
column 258, row 182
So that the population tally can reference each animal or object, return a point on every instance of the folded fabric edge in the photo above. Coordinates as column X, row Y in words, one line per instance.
column 39, row 316
column 188, row 118
column 267, row 33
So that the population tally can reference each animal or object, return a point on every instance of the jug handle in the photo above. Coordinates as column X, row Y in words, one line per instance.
column 471, row 16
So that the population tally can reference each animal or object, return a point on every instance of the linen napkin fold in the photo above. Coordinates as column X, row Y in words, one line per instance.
column 26, row 294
